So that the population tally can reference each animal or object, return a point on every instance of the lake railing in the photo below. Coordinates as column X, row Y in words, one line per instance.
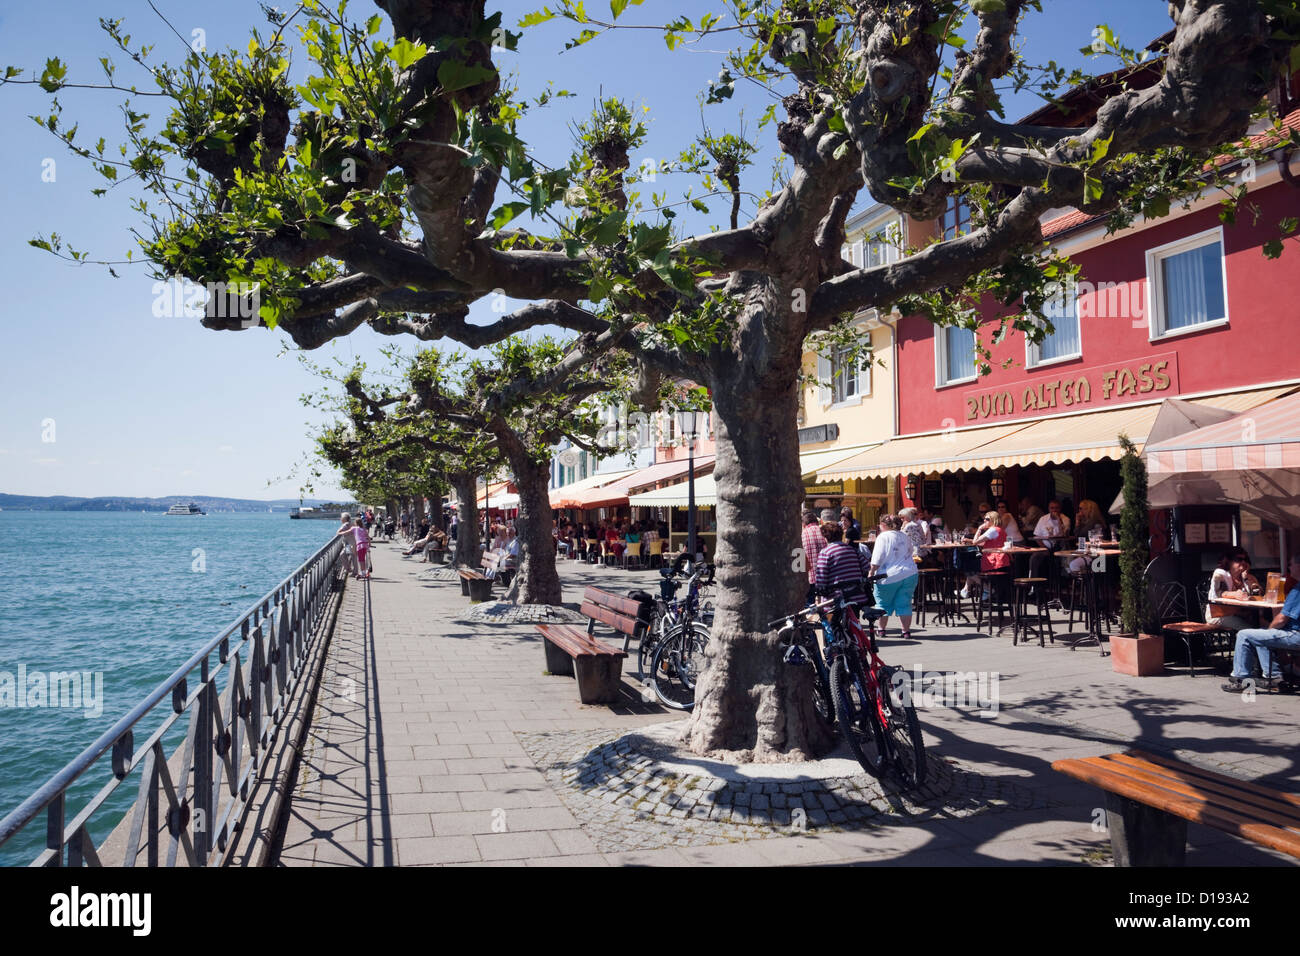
column 196, row 802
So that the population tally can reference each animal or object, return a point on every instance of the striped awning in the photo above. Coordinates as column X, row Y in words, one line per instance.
column 1260, row 438
column 570, row 495
column 1087, row 436
column 813, row 462
column 616, row 493
column 678, row 495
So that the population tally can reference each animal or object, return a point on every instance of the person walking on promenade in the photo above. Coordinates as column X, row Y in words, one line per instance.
column 349, row 555
column 813, row 543
column 361, row 540
column 893, row 557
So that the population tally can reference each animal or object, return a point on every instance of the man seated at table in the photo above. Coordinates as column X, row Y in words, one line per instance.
column 1282, row 634
column 1053, row 525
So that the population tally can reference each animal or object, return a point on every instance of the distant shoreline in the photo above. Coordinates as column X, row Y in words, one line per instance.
column 114, row 503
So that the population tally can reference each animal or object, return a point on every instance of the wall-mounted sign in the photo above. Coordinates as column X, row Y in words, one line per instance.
column 816, row 434
column 836, row 488
column 1101, row 385
column 1220, row 532
column 1194, row 533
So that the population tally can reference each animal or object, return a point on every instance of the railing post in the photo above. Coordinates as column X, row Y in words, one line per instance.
column 54, row 828
column 202, row 816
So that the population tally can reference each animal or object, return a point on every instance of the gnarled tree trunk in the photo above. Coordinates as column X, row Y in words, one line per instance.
column 469, row 550
column 749, row 704
column 537, row 580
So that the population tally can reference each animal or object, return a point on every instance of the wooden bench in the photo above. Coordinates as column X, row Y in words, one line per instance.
column 474, row 584
column 1150, row 798
column 578, row 653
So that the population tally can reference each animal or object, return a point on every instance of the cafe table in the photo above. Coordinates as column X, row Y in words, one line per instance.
column 1258, row 604
column 949, row 608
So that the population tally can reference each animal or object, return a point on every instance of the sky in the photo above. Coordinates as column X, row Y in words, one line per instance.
column 101, row 396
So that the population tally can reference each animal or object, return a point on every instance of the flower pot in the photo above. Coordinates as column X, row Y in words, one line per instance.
column 1138, row 655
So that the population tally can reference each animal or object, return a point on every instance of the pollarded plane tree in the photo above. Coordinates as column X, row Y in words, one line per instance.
column 504, row 406
column 389, row 187
column 375, row 446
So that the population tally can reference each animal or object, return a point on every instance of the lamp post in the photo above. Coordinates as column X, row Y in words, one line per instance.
column 688, row 425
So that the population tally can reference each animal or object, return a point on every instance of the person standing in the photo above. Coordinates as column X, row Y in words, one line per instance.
column 361, row 540
column 852, row 530
column 813, row 544
column 894, row 557
column 841, row 566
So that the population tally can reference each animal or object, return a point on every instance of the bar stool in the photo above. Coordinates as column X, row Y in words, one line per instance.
column 930, row 594
column 1024, row 626
column 1079, row 603
column 998, row 584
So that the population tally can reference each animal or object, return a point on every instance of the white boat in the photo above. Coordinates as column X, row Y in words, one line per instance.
column 190, row 509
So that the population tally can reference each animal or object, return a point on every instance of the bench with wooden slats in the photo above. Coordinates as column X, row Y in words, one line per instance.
column 475, row 585
column 573, row 651
column 1150, row 799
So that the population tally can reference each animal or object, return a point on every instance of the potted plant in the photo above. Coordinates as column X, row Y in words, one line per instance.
column 1133, row 652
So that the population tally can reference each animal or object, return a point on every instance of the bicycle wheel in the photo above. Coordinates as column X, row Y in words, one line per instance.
column 645, row 653
column 675, row 667
column 905, row 741
column 857, row 720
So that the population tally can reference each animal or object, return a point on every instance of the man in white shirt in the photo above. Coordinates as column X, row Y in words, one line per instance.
column 1053, row 525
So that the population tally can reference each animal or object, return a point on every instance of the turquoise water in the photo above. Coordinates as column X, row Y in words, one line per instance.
column 126, row 598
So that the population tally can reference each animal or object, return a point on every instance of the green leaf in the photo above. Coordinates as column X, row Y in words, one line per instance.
column 1273, row 248
column 506, row 213
column 536, row 17
column 989, row 6
column 373, row 24
column 53, row 75
column 616, row 7
column 404, row 53
column 1092, row 188
column 454, row 75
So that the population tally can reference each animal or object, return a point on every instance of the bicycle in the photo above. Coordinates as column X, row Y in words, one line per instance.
column 873, row 712
column 676, row 647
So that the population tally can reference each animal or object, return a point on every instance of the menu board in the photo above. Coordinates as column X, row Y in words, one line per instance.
column 1194, row 533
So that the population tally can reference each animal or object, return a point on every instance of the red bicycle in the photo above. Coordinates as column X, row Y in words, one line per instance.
column 872, row 705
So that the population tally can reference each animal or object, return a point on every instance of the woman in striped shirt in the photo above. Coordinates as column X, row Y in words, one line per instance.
column 841, row 566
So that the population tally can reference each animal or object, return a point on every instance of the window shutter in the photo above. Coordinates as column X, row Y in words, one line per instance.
column 864, row 370
column 823, row 380
column 860, row 254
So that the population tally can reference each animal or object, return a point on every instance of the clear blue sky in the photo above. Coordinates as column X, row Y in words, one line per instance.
column 157, row 406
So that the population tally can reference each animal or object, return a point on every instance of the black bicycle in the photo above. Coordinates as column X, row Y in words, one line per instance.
column 677, row 645
column 872, row 707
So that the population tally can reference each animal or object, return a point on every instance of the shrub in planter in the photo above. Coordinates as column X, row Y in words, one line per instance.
column 1134, row 652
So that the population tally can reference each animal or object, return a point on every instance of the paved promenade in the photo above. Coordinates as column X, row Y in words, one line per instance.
column 441, row 741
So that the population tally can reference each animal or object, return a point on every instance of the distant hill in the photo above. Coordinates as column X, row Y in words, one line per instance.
column 206, row 502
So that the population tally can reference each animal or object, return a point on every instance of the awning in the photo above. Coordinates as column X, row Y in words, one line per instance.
column 677, row 496
column 570, row 495
column 495, row 491
column 812, row 462
column 616, row 493
column 1088, row 436
column 1251, row 460
column 939, row 451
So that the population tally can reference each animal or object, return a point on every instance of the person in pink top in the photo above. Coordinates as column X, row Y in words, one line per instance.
column 361, row 540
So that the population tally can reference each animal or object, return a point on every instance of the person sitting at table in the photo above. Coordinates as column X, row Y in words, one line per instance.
column 1089, row 518
column 614, row 540
column 989, row 539
column 1232, row 575
column 1009, row 524
column 1030, row 514
column 1283, row 633
column 1050, row 532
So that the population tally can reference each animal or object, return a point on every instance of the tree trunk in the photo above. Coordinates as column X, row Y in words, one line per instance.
column 469, row 549
column 537, row 580
column 749, row 704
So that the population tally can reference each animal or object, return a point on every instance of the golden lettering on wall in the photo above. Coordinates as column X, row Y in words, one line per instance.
column 1112, row 382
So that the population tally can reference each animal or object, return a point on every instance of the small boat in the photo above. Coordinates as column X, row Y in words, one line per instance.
column 190, row 509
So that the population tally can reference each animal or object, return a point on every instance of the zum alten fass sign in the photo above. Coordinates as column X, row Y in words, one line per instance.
column 1101, row 385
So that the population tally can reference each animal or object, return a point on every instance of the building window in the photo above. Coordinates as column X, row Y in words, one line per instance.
column 1186, row 285
column 1063, row 342
column 954, row 354
column 844, row 381
column 956, row 217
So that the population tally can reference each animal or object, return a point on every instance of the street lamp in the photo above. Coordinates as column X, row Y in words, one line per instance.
column 688, row 423
column 910, row 488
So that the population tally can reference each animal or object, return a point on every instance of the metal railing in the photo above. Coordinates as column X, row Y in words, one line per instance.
column 207, row 783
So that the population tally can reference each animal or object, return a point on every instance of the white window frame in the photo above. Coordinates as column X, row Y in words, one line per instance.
column 826, row 377
column 1156, row 328
column 941, row 361
column 1033, row 350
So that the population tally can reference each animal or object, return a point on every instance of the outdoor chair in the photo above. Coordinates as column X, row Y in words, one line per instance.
column 632, row 552
column 1169, row 604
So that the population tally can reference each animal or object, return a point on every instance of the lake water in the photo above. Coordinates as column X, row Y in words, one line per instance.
column 127, row 598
